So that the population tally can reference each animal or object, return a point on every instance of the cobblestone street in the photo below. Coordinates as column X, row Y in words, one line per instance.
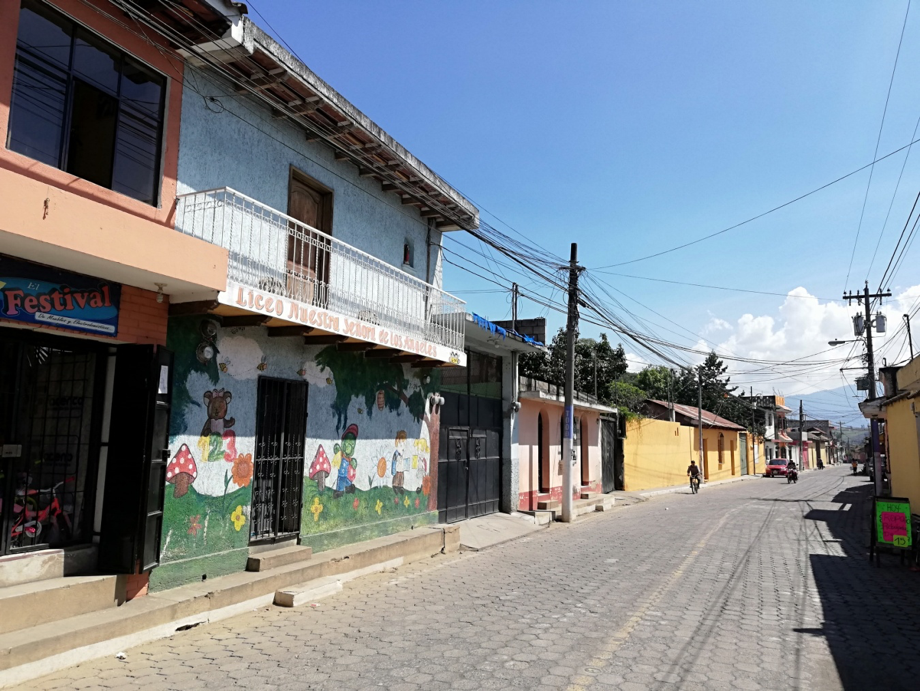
column 752, row 585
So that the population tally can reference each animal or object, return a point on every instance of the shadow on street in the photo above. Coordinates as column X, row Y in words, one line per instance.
column 871, row 615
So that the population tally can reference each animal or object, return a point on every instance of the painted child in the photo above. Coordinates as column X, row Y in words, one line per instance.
column 399, row 462
column 345, row 462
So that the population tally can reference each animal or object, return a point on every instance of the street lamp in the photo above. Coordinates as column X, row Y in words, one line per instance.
column 838, row 342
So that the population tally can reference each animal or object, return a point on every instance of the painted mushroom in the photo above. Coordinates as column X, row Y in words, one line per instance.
column 320, row 468
column 181, row 471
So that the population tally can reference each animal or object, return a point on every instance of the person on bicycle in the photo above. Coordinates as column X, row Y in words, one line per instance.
column 693, row 472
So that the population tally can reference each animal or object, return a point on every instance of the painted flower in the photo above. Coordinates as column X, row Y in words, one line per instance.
column 242, row 469
column 238, row 518
column 406, row 502
column 416, row 502
column 194, row 524
column 356, row 503
column 316, row 509
column 426, row 485
column 378, row 507
column 396, row 500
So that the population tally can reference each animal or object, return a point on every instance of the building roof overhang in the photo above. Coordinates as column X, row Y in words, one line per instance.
column 491, row 337
column 217, row 35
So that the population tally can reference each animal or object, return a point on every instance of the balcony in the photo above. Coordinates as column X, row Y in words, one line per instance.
column 293, row 273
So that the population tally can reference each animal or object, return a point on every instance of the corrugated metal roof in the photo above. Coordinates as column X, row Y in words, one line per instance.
column 709, row 419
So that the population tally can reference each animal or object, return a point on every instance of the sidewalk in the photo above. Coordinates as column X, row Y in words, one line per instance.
column 486, row 531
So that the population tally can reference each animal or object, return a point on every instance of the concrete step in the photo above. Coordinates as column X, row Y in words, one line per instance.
column 32, row 604
column 42, row 649
column 310, row 592
column 590, row 495
column 543, row 517
column 549, row 505
column 274, row 558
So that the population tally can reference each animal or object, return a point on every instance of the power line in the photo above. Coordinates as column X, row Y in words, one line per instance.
column 878, row 140
column 704, row 285
column 760, row 215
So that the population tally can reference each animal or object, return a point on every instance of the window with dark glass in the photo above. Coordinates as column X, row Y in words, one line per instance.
column 83, row 106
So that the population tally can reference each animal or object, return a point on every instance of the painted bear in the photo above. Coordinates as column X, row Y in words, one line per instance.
column 217, row 402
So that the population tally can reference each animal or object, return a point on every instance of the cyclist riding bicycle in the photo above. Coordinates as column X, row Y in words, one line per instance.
column 693, row 472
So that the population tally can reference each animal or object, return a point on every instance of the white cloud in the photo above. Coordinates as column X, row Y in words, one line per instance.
column 636, row 363
column 801, row 328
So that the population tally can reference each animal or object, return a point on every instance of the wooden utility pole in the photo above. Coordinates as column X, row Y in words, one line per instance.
column 699, row 419
column 866, row 298
column 568, row 454
column 801, row 435
column 514, row 301
column 910, row 340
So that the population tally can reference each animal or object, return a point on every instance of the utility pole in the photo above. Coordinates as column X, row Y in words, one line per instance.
column 801, row 435
column 753, row 432
column 670, row 398
column 568, row 414
column 910, row 341
column 595, row 375
column 514, row 301
column 873, row 423
column 699, row 419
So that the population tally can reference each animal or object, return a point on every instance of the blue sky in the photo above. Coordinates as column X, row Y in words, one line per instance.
column 633, row 127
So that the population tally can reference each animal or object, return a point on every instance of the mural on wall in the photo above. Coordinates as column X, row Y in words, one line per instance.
column 211, row 469
column 371, row 430
column 385, row 426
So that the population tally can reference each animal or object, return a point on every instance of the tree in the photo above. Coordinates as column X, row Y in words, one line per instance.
column 589, row 352
column 658, row 382
column 598, row 355
column 626, row 397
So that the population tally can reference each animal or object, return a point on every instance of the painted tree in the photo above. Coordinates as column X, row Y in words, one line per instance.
column 385, row 385
column 193, row 340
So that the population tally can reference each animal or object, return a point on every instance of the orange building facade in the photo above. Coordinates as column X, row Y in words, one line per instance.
column 89, row 262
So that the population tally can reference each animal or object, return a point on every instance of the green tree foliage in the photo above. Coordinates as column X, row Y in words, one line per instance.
column 550, row 366
column 359, row 377
column 658, row 381
column 626, row 397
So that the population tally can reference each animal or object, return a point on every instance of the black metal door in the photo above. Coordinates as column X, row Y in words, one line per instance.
column 132, row 508
column 281, row 428
column 453, row 474
column 611, row 455
column 485, row 472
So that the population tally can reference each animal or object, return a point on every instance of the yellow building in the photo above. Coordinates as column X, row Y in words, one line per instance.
column 727, row 451
column 900, row 411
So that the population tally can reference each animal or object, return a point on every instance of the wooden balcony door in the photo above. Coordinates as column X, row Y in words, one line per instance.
column 308, row 252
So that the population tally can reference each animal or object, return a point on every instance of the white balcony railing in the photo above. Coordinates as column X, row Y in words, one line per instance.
column 275, row 253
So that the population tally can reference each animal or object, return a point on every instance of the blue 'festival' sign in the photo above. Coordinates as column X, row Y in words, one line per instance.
column 44, row 295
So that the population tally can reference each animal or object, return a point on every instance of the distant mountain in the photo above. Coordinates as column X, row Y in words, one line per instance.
column 837, row 405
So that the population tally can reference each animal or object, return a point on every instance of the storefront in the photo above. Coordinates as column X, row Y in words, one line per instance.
column 81, row 380
column 50, row 418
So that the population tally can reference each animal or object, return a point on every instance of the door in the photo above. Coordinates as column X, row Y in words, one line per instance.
column 277, row 486
column 309, row 252
column 485, row 472
column 49, row 425
column 611, row 461
column 453, row 474
column 135, row 477
column 743, row 445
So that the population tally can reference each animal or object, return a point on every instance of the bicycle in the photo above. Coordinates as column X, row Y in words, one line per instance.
column 695, row 484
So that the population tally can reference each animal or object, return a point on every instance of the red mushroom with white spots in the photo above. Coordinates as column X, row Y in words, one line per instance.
column 181, row 471
column 320, row 468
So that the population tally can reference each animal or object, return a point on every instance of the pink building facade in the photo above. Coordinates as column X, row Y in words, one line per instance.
column 540, row 444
